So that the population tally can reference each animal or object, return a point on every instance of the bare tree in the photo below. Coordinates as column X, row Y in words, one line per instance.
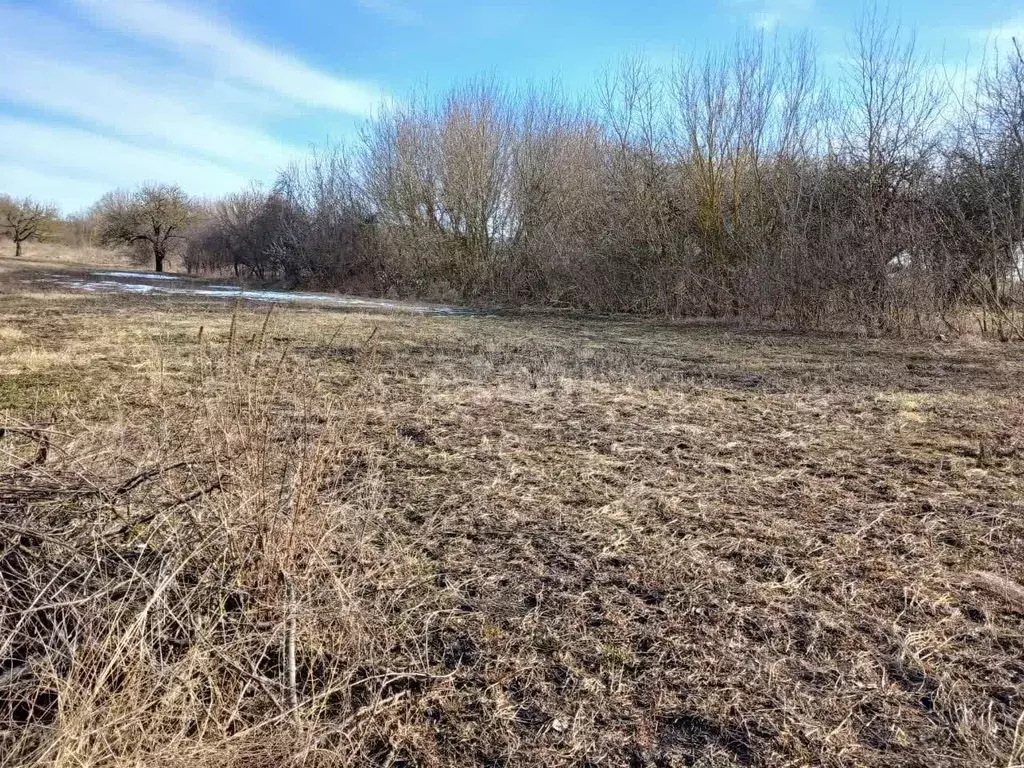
column 888, row 146
column 155, row 218
column 633, row 206
column 319, row 221
column 26, row 219
column 438, row 176
column 982, row 198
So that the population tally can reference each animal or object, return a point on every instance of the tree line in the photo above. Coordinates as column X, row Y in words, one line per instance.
column 744, row 183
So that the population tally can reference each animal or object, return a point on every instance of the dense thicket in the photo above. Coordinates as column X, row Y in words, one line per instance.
column 743, row 183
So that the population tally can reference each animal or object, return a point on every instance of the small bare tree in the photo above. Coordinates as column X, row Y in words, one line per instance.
column 889, row 145
column 156, row 218
column 26, row 219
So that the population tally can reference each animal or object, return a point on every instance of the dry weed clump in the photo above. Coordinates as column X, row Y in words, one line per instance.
column 385, row 541
column 210, row 586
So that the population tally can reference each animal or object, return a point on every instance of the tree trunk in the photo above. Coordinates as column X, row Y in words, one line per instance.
column 17, row 249
column 159, row 254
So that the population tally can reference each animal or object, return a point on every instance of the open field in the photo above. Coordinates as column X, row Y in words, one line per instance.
column 333, row 538
column 47, row 255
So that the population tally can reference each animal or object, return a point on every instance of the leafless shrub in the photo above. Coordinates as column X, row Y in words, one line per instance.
column 311, row 228
column 981, row 198
column 196, row 591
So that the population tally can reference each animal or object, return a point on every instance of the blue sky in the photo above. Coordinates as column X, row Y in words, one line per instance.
column 97, row 94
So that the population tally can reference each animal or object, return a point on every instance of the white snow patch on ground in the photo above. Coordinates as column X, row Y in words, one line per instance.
column 234, row 292
column 139, row 275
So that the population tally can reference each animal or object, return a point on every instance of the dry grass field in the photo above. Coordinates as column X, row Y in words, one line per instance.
column 48, row 255
column 234, row 537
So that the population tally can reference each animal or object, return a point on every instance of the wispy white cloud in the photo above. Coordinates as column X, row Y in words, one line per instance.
column 220, row 49
column 394, row 10
column 139, row 110
column 87, row 156
column 769, row 15
column 84, row 109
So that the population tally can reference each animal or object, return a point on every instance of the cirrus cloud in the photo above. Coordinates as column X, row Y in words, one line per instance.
column 114, row 93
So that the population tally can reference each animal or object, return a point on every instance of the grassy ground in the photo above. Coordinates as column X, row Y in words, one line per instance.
column 326, row 538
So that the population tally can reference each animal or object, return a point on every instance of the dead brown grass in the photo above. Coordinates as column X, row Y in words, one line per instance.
column 36, row 255
column 344, row 539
